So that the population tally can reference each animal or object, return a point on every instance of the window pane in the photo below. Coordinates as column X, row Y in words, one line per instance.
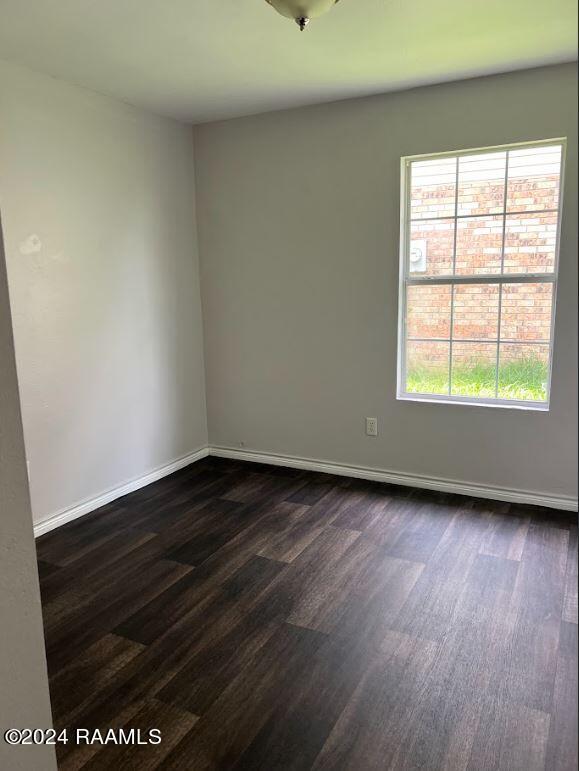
column 475, row 219
column 428, row 311
column 474, row 369
column 534, row 178
column 427, row 367
column 523, row 372
column 476, row 312
column 431, row 248
column 530, row 243
column 433, row 188
column 479, row 245
column 481, row 183
column 526, row 312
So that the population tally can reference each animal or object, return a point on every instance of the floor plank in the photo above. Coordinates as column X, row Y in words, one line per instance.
column 562, row 751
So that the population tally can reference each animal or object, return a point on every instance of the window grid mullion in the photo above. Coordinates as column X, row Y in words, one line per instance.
column 487, row 215
column 453, row 289
column 498, row 278
column 490, row 341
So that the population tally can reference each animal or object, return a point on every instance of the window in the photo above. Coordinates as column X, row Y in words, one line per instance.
column 479, row 257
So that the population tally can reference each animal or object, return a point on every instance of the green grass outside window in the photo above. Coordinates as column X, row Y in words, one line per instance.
column 522, row 380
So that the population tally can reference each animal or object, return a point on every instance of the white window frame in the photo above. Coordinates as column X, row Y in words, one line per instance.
column 501, row 278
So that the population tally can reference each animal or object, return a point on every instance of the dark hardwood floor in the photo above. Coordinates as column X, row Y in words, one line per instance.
column 267, row 618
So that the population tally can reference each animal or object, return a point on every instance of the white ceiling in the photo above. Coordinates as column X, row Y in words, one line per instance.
column 198, row 60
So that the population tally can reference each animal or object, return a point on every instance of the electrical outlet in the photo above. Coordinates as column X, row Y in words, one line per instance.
column 372, row 426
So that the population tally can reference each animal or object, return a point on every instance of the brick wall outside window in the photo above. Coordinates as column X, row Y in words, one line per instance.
column 530, row 241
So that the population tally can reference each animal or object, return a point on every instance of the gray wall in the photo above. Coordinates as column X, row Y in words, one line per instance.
column 24, row 700
column 298, row 217
column 107, row 314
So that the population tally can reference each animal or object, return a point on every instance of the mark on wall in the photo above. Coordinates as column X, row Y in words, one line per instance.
column 30, row 245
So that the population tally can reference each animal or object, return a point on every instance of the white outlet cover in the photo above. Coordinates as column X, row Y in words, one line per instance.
column 372, row 426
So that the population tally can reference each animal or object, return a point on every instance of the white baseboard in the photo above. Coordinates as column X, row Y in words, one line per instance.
column 85, row 507
column 398, row 478
column 308, row 464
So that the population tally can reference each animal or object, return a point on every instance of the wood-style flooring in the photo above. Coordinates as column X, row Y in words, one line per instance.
column 267, row 618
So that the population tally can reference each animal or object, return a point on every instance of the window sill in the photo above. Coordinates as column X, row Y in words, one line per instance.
column 465, row 402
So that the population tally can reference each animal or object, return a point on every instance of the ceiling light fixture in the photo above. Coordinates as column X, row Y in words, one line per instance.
column 301, row 11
